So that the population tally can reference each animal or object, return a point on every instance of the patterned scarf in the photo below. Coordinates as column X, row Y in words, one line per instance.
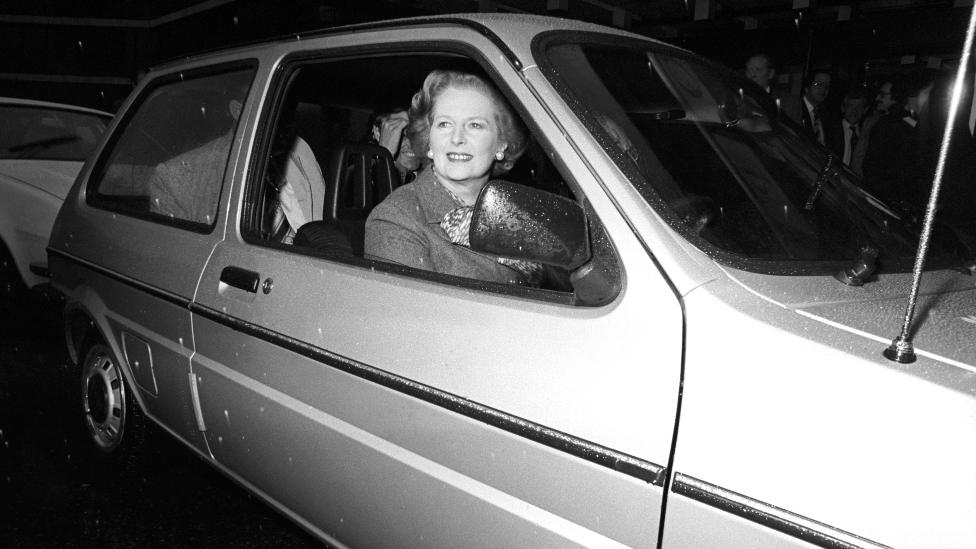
column 457, row 224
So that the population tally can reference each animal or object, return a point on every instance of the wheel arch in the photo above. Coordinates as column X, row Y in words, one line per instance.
column 80, row 331
column 85, row 324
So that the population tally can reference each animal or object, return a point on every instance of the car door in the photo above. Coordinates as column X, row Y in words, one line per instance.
column 150, row 220
column 382, row 406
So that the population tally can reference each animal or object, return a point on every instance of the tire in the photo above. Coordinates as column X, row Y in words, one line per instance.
column 112, row 419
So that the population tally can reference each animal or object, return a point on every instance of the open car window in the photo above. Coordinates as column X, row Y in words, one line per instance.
column 320, row 174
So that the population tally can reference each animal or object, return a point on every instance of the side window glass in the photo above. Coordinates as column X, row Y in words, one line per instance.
column 169, row 159
column 346, row 152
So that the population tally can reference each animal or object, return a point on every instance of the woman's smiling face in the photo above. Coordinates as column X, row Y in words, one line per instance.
column 464, row 136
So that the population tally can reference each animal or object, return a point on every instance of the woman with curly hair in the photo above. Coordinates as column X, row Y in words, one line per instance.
column 468, row 133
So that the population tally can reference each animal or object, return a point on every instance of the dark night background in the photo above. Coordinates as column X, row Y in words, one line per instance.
column 90, row 53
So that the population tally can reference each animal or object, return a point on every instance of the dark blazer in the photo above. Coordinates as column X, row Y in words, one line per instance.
column 892, row 165
column 834, row 140
column 834, row 137
column 788, row 105
column 806, row 121
column 405, row 229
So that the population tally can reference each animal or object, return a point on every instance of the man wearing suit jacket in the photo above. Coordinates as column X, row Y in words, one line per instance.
column 847, row 137
column 761, row 70
column 814, row 94
column 893, row 165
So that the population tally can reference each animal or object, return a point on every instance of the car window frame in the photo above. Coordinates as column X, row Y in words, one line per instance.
column 101, row 162
column 273, row 102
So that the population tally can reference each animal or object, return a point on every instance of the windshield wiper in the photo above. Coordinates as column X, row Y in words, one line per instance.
column 826, row 173
column 862, row 269
column 43, row 143
column 968, row 267
column 670, row 114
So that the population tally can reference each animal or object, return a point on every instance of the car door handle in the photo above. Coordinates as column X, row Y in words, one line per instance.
column 240, row 278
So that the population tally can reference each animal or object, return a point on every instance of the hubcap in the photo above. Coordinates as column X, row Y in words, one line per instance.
column 103, row 398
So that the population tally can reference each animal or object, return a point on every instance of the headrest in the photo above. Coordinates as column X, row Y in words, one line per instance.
column 360, row 176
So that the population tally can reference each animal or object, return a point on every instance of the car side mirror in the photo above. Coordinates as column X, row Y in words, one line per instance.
column 520, row 222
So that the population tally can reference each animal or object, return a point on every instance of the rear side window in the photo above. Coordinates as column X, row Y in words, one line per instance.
column 169, row 159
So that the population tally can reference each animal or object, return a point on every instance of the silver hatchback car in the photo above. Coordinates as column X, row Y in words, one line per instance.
column 704, row 368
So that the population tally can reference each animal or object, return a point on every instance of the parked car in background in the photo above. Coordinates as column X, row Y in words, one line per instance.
column 713, row 377
column 42, row 148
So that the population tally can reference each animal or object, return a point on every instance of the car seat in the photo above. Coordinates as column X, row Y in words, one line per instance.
column 325, row 236
column 359, row 176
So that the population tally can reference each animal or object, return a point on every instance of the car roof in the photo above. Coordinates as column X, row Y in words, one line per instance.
column 514, row 31
column 20, row 102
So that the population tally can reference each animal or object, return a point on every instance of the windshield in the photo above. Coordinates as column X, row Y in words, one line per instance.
column 711, row 151
column 48, row 134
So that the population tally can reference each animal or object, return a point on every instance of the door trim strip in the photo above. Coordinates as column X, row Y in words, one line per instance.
column 149, row 289
column 770, row 516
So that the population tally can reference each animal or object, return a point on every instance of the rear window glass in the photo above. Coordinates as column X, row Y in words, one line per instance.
column 170, row 157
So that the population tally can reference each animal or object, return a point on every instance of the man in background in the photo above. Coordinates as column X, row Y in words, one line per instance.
column 847, row 137
column 760, row 69
column 892, row 165
column 814, row 94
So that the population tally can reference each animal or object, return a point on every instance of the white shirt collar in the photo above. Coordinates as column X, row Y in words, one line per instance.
column 808, row 104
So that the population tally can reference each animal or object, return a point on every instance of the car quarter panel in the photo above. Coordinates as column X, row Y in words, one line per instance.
column 142, row 271
column 154, row 349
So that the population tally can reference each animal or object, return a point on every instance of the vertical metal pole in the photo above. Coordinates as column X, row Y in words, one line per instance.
column 901, row 349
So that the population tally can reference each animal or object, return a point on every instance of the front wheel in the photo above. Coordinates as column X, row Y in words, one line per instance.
column 111, row 416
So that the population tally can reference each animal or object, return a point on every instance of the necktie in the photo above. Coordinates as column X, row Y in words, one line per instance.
column 817, row 128
column 850, row 142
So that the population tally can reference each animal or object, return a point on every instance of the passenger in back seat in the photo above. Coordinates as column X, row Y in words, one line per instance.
column 387, row 130
column 301, row 192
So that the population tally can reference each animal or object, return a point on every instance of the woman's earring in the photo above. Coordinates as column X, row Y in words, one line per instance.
column 430, row 153
column 500, row 155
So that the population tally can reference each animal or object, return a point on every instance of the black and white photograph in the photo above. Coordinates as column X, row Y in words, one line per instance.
column 655, row 274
